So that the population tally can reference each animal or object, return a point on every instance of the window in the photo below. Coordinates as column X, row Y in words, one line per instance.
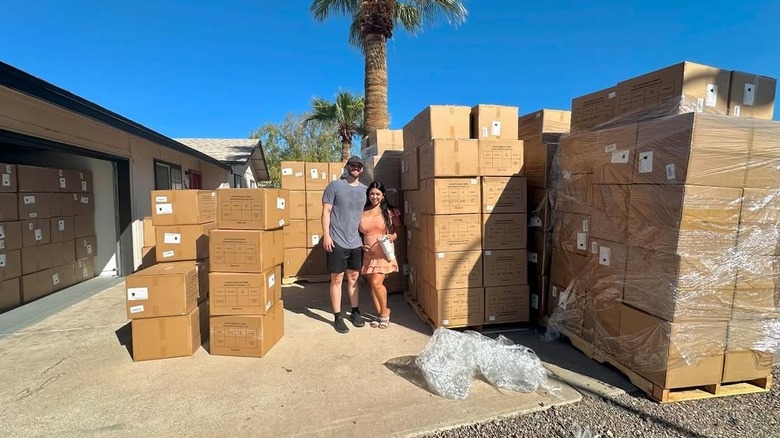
column 237, row 180
column 167, row 176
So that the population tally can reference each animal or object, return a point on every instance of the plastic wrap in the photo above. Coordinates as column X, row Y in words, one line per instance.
column 666, row 243
column 452, row 359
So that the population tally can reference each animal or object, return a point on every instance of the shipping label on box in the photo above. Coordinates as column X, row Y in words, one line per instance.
column 183, row 242
column 10, row 236
column 36, row 232
column 166, row 289
column 317, row 175
column 8, row 178
column 494, row 121
column 293, row 175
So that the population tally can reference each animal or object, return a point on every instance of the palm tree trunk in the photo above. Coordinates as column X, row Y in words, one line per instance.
column 346, row 148
column 375, row 109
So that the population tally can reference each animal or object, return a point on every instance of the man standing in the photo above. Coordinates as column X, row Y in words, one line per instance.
column 342, row 207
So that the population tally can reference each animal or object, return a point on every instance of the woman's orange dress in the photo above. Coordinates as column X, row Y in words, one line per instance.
column 374, row 259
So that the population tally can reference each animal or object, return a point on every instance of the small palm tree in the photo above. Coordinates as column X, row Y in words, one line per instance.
column 346, row 113
column 373, row 22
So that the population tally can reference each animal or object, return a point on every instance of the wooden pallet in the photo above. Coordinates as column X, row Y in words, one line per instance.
column 671, row 395
column 307, row 279
column 489, row 327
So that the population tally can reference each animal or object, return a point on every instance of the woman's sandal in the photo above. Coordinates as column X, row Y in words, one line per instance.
column 384, row 322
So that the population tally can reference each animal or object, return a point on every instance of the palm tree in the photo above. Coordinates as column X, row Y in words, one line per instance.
column 346, row 113
column 373, row 22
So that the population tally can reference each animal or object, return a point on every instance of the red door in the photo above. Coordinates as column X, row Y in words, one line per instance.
column 195, row 179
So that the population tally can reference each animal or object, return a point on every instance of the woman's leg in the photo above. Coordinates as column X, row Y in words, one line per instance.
column 380, row 294
column 370, row 280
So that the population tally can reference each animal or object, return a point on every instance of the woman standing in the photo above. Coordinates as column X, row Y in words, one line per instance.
column 379, row 219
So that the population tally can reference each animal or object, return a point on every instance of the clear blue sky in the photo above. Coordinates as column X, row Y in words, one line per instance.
column 221, row 68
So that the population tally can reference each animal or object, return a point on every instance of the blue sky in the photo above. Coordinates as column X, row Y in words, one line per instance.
column 208, row 68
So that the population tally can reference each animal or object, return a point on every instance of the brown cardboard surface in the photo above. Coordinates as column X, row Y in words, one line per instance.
column 148, row 257
column 8, row 180
column 410, row 170
column 609, row 211
column 450, row 196
column 86, row 247
column 62, row 253
column 452, row 270
column 295, row 234
column 83, row 204
column 295, row 262
column 181, row 242
column 314, row 204
column 34, row 205
column 605, row 273
column 60, row 204
column 575, row 193
column 183, row 207
column 10, row 264
column 250, row 251
column 36, row 232
column 437, row 121
column 252, row 209
column 170, row 336
column 539, row 287
column 501, row 157
column 165, row 289
column 506, row 304
column 572, row 232
column 83, row 269
column 313, row 233
column 84, row 226
column 462, row 232
column 317, row 175
column 539, row 252
column 538, row 158
column 74, row 181
column 36, row 258
column 10, row 236
column 335, row 170
column 456, row 307
column 494, row 122
column 9, row 207
column 37, row 179
column 763, row 168
column 504, row 231
column 61, row 276
column 412, row 216
column 293, row 175
column 36, row 285
column 543, row 121
column 565, row 266
column 505, row 267
column 539, row 210
column 504, row 194
column 297, row 204
column 10, row 293
column 385, row 168
column 244, row 294
column 391, row 139
column 592, row 109
column 752, row 95
column 742, row 362
column 62, row 229
column 445, row 157
column 247, row 335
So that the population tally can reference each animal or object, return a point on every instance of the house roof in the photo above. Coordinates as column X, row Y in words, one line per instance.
column 18, row 80
column 232, row 151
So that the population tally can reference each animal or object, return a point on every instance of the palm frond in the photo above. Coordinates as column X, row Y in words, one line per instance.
column 322, row 9
column 355, row 38
column 408, row 16
column 431, row 11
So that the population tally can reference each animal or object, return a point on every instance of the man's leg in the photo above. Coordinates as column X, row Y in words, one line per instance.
column 337, row 264
column 354, row 297
column 336, row 280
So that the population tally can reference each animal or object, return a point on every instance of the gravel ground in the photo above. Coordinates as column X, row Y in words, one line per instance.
column 635, row 415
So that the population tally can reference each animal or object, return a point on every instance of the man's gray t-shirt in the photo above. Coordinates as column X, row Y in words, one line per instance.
column 348, row 202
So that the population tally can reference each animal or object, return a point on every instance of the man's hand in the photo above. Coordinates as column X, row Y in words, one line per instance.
column 327, row 243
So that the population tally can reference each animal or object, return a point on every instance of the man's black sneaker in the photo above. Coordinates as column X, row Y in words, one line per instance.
column 357, row 319
column 340, row 325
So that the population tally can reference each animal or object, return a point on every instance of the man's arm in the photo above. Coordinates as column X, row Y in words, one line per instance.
column 327, row 242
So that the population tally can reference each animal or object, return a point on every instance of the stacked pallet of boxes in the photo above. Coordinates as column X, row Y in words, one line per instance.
column 47, row 232
column 304, row 256
column 465, row 206
column 666, row 234
column 168, row 302
column 540, row 132
column 247, row 312
column 382, row 152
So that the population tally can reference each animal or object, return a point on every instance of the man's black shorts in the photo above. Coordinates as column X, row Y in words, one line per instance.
column 342, row 259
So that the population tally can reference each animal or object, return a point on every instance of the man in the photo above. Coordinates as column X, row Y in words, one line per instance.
column 342, row 207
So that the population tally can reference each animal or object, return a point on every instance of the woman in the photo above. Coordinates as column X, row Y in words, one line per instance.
column 379, row 219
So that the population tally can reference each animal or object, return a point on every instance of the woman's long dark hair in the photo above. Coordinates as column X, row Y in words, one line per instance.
column 383, row 205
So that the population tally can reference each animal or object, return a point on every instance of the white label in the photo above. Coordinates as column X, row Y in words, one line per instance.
column 605, row 254
column 582, row 241
column 85, row 200
column 7, row 168
column 585, row 225
column 610, row 148
column 484, row 131
column 535, row 301
column 89, row 249
column 611, row 95
column 59, row 172
column 533, row 257
column 315, row 239
column 164, row 208
column 272, row 280
column 2, row 232
column 6, row 179
column 324, row 175
column 670, row 174
column 29, row 200
column 2, row 260
column 160, row 199
column 81, row 175
column 63, row 183
column 445, row 322
column 38, row 234
column 167, row 254
column 55, row 279
column 83, row 186
column 488, row 253
column 495, row 128
column 491, row 318
column 750, row 95
column 712, row 95
column 137, row 309
column 699, row 105
column 314, row 174
column 2, row 244
column 33, row 215
column 281, row 222
column 594, row 247
column 299, row 174
column 646, row 162
column 61, row 225
column 489, row 207
column 267, row 306
column 30, row 226
column 137, row 293
column 406, row 269
column 620, row 156
column 280, row 203
column 736, row 111
column 567, row 174
column 287, row 171
column 554, row 291
column 535, row 221
column 85, row 272
column 173, row 238
column 473, row 181
column 440, row 255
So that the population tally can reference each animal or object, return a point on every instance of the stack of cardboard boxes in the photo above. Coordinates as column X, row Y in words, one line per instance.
column 167, row 302
column 665, row 248
column 47, row 231
column 304, row 256
column 465, row 206
column 245, row 289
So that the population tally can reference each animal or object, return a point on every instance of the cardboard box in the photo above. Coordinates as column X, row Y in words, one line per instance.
column 412, row 213
column 10, row 264
column 313, row 233
column 295, row 262
column 84, row 226
column 601, row 319
column 247, row 335
column 61, row 229
column 182, row 242
column 609, row 212
column 450, row 196
column 36, row 179
column 494, row 122
column 10, row 294
column 542, row 122
column 36, row 258
column 316, row 265
column 384, row 139
column 539, row 164
column 61, row 277
column 295, row 234
column 72, row 181
column 252, row 209
column 506, row 304
column 250, row 251
column 700, row 85
column 593, row 109
column 34, row 205
column 763, row 167
column 462, row 232
column 9, row 207
column 504, row 231
column 752, row 95
column 572, row 232
column 742, row 362
column 317, row 175
column 10, row 236
column 62, row 253
column 83, row 204
column 505, row 267
column 148, row 257
column 63, row 204
column 444, row 157
column 170, row 336
column 297, row 204
column 385, row 168
column 759, row 224
column 244, row 294
column 565, row 267
column 500, row 157
column 456, row 307
column 657, row 349
column 336, row 170
column 605, row 273
column 504, row 194
column 410, row 170
column 539, row 209
column 8, row 178
column 614, row 151
column 293, row 175
column 437, row 121
column 452, row 270
column 165, row 289
column 314, row 204
column 36, row 285
column 183, row 207
column 36, row 232
column 83, row 269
